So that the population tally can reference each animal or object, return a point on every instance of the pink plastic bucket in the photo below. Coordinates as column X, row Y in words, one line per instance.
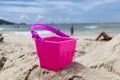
column 54, row 52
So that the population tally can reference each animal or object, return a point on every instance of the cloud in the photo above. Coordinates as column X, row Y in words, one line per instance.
column 72, row 5
column 70, row 9
column 67, row 19
column 60, row 19
column 94, row 4
column 39, row 17
column 61, row 3
column 62, row 6
column 30, row 10
column 4, row 18
column 22, row 7
column 43, row 6
column 23, row 17
column 20, row 3
column 49, row 19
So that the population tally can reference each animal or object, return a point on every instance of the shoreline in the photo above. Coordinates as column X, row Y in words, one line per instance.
column 45, row 33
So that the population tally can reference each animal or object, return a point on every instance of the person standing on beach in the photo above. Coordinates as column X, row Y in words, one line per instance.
column 72, row 30
column 1, row 37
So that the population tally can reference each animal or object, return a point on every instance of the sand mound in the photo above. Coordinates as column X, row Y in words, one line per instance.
column 106, row 56
column 18, row 61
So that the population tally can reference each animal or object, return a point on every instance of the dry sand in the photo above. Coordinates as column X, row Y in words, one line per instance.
column 93, row 60
column 105, row 56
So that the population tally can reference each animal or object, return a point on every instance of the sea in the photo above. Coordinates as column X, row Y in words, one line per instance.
column 79, row 28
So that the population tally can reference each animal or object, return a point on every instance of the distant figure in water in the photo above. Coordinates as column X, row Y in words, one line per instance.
column 105, row 36
column 72, row 30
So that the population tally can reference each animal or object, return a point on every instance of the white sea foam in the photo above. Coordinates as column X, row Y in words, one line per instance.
column 44, row 32
column 29, row 33
column 91, row 27
column 21, row 33
column 1, row 29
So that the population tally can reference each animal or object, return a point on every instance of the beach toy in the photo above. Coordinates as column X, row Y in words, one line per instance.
column 53, row 52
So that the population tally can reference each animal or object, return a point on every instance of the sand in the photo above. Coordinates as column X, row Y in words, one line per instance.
column 93, row 60
column 105, row 56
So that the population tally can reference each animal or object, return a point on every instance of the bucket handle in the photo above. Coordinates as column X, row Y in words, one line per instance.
column 46, row 27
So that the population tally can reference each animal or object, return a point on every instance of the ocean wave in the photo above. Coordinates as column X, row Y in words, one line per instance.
column 21, row 33
column 29, row 33
column 44, row 32
column 1, row 29
column 91, row 27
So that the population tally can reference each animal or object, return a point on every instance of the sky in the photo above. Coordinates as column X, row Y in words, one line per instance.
column 60, row 11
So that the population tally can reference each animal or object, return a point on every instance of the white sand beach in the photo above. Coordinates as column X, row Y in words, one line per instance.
column 93, row 60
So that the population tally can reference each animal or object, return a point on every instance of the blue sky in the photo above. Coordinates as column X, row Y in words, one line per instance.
column 60, row 11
